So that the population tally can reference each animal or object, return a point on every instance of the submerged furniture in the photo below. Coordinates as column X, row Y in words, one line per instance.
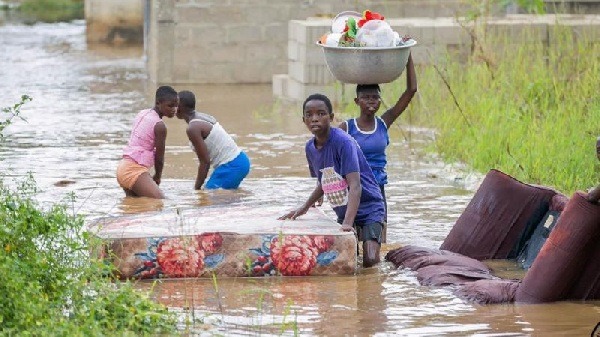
column 554, row 238
column 225, row 241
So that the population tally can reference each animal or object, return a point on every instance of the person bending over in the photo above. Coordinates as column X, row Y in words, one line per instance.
column 213, row 146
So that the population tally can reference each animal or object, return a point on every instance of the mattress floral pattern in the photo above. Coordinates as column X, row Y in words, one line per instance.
column 230, row 254
column 186, row 256
column 292, row 255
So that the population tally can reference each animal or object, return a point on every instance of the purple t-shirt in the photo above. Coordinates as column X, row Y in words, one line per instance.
column 339, row 156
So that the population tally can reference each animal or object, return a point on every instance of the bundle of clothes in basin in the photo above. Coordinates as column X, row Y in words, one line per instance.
column 553, row 237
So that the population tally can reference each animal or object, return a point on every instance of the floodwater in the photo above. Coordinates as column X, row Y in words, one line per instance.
column 84, row 99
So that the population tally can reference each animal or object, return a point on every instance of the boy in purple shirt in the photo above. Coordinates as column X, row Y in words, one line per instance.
column 344, row 177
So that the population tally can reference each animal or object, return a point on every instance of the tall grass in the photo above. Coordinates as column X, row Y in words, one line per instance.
column 528, row 109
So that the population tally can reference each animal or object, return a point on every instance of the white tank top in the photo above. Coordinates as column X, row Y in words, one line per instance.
column 221, row 147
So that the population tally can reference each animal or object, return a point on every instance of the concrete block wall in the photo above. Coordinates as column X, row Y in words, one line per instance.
column 308, row 73
column 114, row 21
column 246, row 41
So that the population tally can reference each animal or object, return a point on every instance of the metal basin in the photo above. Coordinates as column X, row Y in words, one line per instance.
column 367, row 65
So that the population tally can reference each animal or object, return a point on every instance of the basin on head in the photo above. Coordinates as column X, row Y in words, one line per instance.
column 367, row 65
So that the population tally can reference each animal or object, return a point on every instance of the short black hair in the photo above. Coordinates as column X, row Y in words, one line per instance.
column 365, row 87
column 165, row 92
column 187, row 99
column 318, row 97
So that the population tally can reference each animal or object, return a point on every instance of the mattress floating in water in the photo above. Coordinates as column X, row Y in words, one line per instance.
column 225, row 241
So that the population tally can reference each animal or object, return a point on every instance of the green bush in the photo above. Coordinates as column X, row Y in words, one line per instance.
column 52, row 286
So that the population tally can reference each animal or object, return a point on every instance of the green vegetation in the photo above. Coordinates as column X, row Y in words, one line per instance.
column 51, row 285
column 529, row 110
column 7, row 114
column 52, row 10
column 477, row 9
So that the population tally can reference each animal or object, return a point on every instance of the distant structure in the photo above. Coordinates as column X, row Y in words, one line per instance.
column 230, row 42
column 115, row 21
column 265, row 41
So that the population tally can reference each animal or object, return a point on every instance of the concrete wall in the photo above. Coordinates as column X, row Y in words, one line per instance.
column 246, row 41
column 114, row 21
column 249, row 41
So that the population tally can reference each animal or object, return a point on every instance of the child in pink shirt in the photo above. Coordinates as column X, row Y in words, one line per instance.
column 146, row 147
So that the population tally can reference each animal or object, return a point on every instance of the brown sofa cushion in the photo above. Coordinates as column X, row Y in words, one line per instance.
column 565, row 268
column 499, row 219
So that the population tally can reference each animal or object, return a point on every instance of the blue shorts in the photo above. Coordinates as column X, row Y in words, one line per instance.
column 229, row 175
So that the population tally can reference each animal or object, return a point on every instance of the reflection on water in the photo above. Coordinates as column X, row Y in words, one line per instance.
column 85, row 98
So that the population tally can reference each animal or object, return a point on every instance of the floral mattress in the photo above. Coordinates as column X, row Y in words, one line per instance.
column 225, row 241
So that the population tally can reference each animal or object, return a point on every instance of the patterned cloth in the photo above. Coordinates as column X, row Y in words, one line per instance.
column 335, row 187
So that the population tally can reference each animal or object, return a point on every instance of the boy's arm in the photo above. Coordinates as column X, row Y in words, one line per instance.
column 195, row 135
column 314, row 196
column 160, row 136
column 354, row 192
column 411, row 88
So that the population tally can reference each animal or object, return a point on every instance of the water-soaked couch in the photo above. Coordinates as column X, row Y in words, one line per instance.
column 556, row 238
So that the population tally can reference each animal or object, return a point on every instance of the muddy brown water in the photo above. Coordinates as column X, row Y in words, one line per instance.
column 84, row 99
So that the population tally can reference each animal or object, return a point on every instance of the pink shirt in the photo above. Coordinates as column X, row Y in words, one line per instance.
column 141, row 142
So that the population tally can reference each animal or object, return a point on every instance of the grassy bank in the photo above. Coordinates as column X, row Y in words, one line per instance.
column 530, row 110
column 52, row 10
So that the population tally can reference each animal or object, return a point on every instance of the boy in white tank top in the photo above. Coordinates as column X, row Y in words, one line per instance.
column 213, row 146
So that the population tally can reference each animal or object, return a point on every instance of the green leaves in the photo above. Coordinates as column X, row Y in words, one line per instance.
column 9, row 113
column 51, row 283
